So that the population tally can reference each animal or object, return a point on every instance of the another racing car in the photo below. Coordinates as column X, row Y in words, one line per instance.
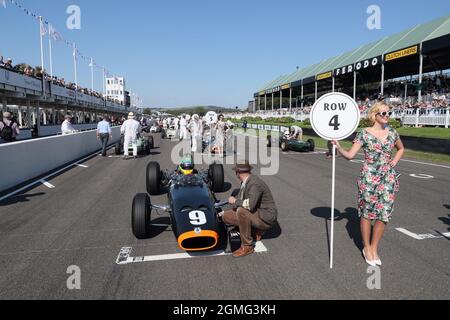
column 156, row 128
column 144, row 143
column 192, row 207
column 287, row 144
column 170, row 133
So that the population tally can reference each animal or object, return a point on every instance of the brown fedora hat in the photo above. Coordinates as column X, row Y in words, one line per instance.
column 243, row 166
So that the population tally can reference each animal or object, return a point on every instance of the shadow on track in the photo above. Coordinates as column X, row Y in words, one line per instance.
column 352, row 225
column 157, row 230
column 446, row 220
column 20, row 198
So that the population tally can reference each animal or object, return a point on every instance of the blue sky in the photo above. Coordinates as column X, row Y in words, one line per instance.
column 204, row 52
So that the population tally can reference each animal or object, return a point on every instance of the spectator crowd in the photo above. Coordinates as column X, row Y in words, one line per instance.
column 38, row 73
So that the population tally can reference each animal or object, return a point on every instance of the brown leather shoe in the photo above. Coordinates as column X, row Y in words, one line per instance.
column 243, row 251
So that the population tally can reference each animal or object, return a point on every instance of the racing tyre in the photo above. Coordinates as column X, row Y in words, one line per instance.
column 217, row 177
column 312, row 145
column 150, row 143
column 117, row 149
column 269, row 141
column 140, row 216
column 153, row 178
column 284, row 146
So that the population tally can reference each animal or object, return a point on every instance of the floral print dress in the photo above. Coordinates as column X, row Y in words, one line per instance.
column 378, row 183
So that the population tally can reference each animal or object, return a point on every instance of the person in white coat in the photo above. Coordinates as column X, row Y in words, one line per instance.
column 183, row 128
column 196, row 129
column 66, row 126
column 175, row 123
column 130, row 129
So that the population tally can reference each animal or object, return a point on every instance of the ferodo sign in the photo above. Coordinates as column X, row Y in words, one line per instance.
column 335, row 116
column 368, row 63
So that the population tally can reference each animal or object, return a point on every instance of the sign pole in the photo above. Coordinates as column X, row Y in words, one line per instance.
column 333, row 192
column 334, row 116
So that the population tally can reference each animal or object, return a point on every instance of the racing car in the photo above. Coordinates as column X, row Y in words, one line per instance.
column 156, row 128
column 192, row 207
column 287, row 144
column 144, row 144
column 170, row 133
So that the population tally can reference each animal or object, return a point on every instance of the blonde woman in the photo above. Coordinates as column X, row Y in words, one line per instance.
column 378, row 182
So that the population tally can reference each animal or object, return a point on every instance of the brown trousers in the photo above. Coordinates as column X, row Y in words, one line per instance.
column 245, row 220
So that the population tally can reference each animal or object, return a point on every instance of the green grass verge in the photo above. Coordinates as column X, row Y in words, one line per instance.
column 436, row 133
column 409, row 154
column 427, row 132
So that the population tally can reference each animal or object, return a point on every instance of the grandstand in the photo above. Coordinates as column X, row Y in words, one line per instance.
column 403, row 62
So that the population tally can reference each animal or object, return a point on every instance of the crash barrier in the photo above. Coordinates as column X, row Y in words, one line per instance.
column 408, row 117
column 412, row 143
column 45, row 131
column 25, row 160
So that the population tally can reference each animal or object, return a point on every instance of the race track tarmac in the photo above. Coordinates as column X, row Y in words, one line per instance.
column 84, row 221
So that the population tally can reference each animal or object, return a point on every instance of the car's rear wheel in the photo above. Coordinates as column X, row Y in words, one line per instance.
column 141, row 216
column 312, row 145
column 117, row 148
column 216, row 176
column 153, row 178
column 151, row 143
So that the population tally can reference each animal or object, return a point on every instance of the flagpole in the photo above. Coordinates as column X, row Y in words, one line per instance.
column 75, row 65
column 42, row 53
column 50, row 55
column 104, row 82
column 92, row 74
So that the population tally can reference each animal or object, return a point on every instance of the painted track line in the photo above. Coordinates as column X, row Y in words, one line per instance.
column 47, row 184
column 125, row 258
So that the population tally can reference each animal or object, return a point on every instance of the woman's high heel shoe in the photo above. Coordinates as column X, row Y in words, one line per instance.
column 369, row 262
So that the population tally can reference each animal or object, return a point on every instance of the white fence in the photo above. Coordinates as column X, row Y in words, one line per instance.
column 408, row 117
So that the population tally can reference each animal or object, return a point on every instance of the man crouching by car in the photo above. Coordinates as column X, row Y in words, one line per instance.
column 254, row 210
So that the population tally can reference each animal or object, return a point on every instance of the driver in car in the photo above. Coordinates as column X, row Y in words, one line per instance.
column 187, row 166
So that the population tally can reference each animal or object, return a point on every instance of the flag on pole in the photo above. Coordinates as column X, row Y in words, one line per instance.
column 43, row 30
column 53, row 33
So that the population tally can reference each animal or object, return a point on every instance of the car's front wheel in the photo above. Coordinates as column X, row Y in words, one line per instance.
column 284, row 146
column 153, row 178
column 141, row 216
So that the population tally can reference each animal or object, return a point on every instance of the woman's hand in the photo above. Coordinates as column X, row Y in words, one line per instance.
column 336, row 143
column 393, row 163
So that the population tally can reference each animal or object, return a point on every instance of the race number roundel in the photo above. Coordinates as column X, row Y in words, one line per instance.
column 211, row 117
column 335, row 116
